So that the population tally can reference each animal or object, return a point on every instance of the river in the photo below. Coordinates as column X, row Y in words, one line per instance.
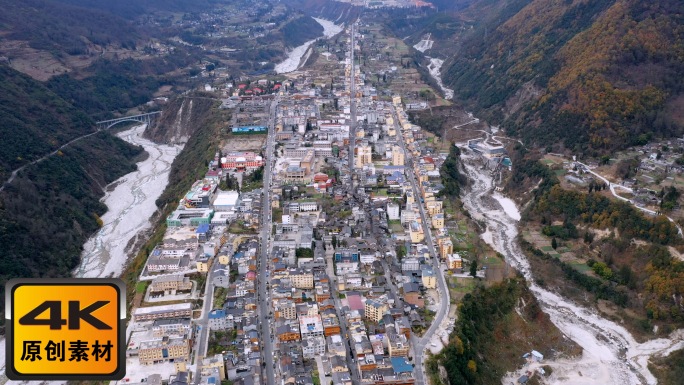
column 435, row 68
column 294, row 58
column 130, row 203
column 611, row 355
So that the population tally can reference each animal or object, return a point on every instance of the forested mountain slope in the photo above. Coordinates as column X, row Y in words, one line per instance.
column 296, row 32
column 53, row 25
column 133, row 8
column 52, row 207
column 334, row 11
column 592, row 75
column 33, row 121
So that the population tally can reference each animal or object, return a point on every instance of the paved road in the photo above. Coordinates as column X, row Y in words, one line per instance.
column 352, row 108
column 420, row 344
column 612, row 191
column 355, row 376
column 266, row 224
column 15, row 172
column 202, row 340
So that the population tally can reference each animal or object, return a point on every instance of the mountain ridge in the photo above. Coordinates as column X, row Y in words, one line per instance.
column 52, row 206
column 584, row 60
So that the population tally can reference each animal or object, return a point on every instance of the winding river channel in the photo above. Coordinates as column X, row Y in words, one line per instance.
column 131, row 202
column 611, row 355
column 294, row 58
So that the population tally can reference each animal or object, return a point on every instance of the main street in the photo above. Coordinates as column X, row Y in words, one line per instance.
column 421, row 343
column 352, row 110
column 203, row 322
column 354, row 369
column 262, row 291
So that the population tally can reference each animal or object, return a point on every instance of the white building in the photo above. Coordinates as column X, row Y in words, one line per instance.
column 311, row 326
column 408, row 216
column 343, row 268
column 226, row 200
column 353, row 280
column 367, row 258
column 392, row 211
column 308, row 206
column 313, row 346
column 410, row 264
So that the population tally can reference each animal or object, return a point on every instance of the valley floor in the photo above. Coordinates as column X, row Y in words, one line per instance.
column 611, row 355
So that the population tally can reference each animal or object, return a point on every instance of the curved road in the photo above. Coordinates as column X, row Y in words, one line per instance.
column 610, row 351
column 15, row 172
column 612, row 191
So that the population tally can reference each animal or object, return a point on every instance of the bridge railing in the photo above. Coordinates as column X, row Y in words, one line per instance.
column 142, row 118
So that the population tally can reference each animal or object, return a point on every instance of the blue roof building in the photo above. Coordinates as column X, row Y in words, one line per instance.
column 217, row 319
column 400, row 365
column 249, row 130
column 203, row 228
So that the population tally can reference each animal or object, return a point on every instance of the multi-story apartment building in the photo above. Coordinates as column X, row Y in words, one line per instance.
column 398, row 345
column 217, row 319
column 429, row 278
column 313, row 346
column 286, row 308
column 438, row 221
column 171, row 283
column 397, row 156
column 454, row 261
column 301, row 279
column 209, row 364
column 287, row 331
column 310, row 326
column 446, row 247
column 392, row 211
column 172, row 326
column 347, row 254
column 181, row 310
column 416, row 232
column 374, row 310
column 307, row 309
column 363, row 155
column 410, row 264
column 163, row 349
column 410, row 214
column 331, row 325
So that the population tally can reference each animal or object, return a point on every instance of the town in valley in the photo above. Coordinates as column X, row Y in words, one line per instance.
column 316, row 249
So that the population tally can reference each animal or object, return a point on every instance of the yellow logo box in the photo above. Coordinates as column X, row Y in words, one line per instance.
column 65, row 329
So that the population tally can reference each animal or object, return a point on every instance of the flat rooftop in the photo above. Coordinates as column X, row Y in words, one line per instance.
column 163, row 308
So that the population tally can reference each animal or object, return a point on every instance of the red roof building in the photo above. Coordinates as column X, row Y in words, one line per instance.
column 242, row 161
column 355, row 302
column 321, row 177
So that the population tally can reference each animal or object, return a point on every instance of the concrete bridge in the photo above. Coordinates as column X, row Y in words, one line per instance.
column 142, row 118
